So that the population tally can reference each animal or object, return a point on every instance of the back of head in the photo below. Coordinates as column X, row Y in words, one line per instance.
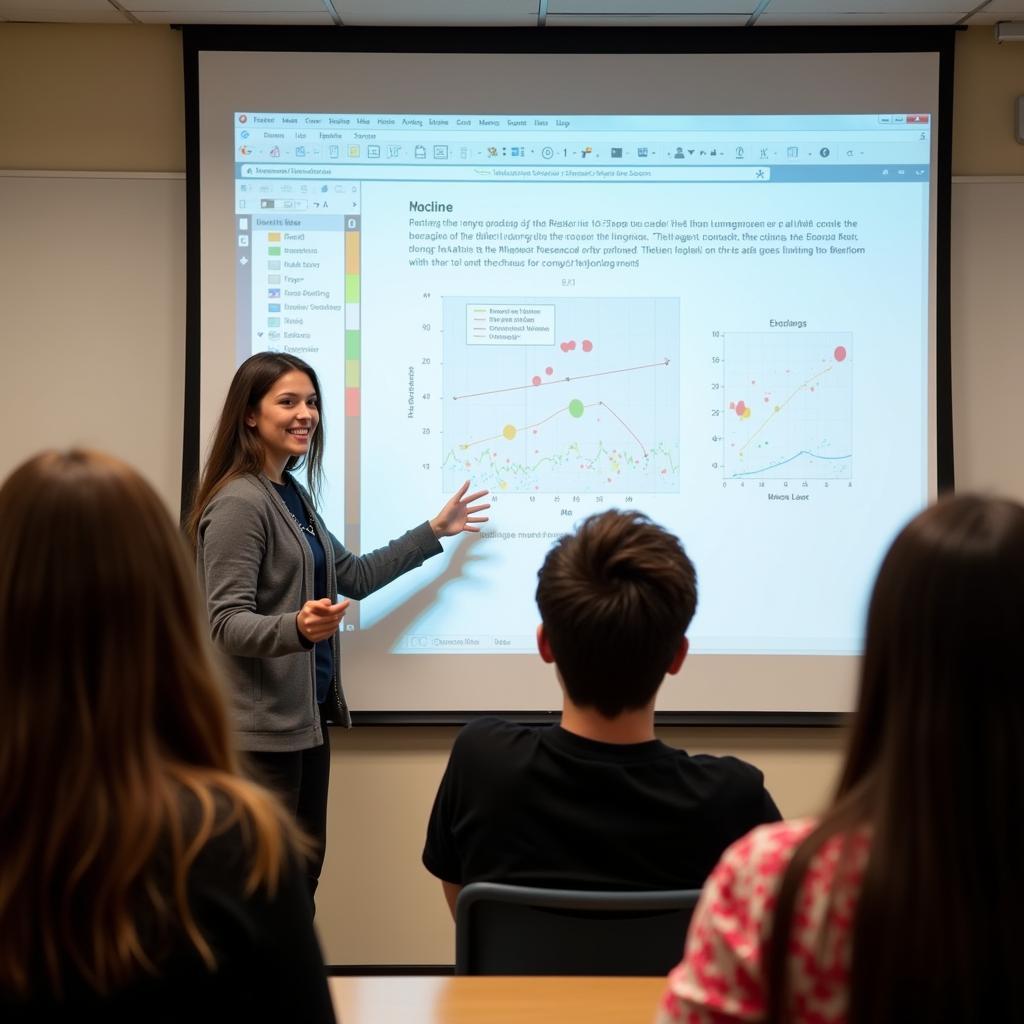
column 616, row 598
column 111, row 711
column 944, row 622
column 933, row 774
column 99, row 627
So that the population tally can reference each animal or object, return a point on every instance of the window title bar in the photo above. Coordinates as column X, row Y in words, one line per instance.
column 586, row 122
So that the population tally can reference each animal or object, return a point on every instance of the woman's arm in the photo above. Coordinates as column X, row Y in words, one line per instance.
column 360, row 575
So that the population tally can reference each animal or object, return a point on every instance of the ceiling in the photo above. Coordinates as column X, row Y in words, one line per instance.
column 518, row 13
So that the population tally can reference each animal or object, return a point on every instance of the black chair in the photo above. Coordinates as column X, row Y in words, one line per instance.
column 512, row 929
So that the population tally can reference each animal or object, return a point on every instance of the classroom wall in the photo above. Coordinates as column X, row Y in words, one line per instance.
column 110, row 98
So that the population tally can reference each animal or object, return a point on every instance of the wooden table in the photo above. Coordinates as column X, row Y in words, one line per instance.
column 495, row 1000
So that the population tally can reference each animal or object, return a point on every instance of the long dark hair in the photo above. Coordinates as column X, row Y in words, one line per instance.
column 116, row 757
column 237, row 449
column 934, row 775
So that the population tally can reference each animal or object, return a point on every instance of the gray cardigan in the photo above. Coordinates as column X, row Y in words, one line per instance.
column 256, row 572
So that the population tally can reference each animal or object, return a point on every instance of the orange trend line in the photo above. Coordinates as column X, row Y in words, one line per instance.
column 561, row 380
column 776, row 412
column 557, row 412
column 529, row 426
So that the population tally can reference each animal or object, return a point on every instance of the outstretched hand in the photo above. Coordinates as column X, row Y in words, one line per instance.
column 459, row 514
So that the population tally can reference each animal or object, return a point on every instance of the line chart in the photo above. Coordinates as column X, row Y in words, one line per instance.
column 788, row 406
column 556, row 395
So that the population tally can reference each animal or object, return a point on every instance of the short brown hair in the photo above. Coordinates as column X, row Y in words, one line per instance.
column 616, row 598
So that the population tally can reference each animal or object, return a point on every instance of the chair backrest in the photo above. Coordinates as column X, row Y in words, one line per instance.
column 513, row 929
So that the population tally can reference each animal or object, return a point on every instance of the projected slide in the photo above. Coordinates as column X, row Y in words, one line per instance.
column 718, row 321
column 790, row 407
column 556, row 395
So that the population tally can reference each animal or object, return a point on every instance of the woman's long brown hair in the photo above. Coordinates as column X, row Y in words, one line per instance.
column 237, row 449
column 935, row 776
column 115, row 749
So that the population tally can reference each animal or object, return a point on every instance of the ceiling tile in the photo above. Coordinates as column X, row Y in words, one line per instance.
column 886, row 19
column 636, row 8
column 179, row 17
column 999, row 10
column 226, row 6
column 667, row 20
column 891, row 9
column 105, row 15
column 70, row 6
column 438, row 12
column 985, row 18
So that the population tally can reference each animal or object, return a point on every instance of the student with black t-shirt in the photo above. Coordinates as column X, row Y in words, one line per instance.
column 596, row 802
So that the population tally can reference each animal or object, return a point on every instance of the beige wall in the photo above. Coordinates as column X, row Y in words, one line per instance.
column 989, row 78
column 91, row 98
column 110, row 98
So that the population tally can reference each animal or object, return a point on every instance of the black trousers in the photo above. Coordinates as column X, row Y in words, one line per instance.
column 300, row 778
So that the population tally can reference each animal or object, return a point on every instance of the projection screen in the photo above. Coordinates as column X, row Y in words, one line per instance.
column 708, row 286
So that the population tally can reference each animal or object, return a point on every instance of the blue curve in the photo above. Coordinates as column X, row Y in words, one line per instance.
column 775, row 465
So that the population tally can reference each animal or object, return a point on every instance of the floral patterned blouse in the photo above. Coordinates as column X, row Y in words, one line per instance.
column 722, row 978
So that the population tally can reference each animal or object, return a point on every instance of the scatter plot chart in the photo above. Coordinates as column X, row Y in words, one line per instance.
column 788, row 406
column 555, row 395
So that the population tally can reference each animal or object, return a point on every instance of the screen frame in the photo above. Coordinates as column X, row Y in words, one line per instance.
column 663, row 40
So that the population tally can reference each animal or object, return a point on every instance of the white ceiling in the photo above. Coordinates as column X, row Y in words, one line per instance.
column 520, row 13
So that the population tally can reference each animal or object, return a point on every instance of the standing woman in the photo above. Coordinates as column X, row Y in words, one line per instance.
column 142, row 878
column 271, row 572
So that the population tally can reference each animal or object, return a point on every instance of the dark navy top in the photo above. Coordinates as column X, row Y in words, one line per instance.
column 324, row 652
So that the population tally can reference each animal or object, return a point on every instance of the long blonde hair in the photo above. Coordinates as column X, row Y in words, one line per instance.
column 115, row 748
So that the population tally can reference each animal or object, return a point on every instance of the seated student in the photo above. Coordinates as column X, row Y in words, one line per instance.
column 596, row 802
column 141, row 878
column 904, row 901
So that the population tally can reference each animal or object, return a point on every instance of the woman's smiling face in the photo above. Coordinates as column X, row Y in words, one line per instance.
column 286, row 420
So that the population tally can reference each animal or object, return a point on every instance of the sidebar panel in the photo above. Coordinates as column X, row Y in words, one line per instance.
column 353, row 378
